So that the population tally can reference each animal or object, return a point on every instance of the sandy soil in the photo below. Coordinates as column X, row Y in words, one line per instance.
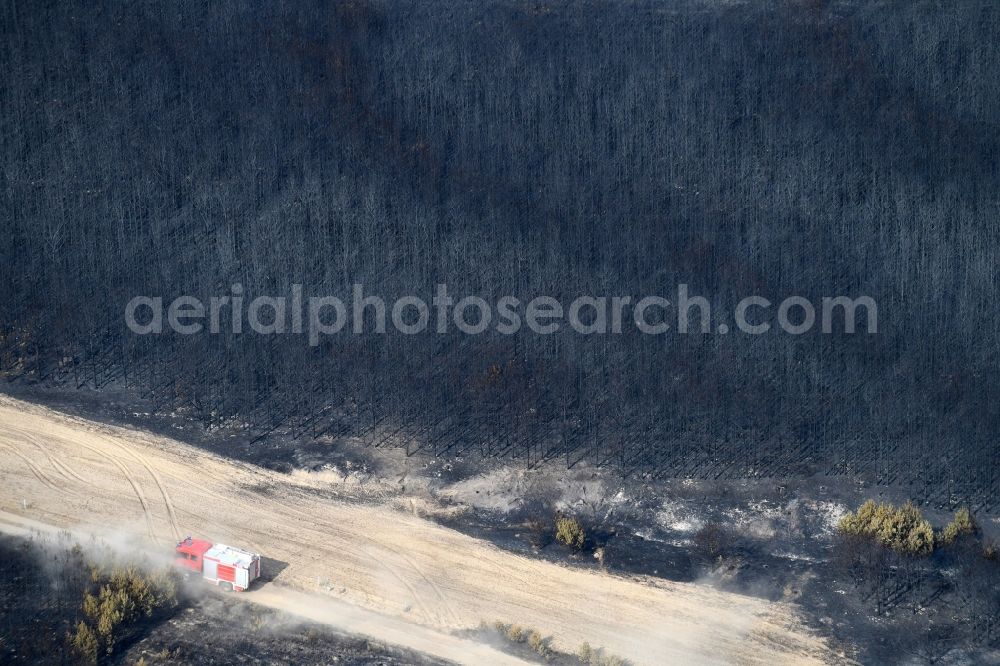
column 365, row 568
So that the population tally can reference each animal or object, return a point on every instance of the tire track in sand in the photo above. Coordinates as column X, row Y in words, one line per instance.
column 132, row 482
column 68, row 472
column 156, row 479
column 63, row 470
column 35, row 470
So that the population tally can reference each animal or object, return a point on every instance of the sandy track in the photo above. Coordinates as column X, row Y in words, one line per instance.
column 353, row 559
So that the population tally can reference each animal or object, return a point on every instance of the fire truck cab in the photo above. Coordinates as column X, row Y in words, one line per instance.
column 190, row 552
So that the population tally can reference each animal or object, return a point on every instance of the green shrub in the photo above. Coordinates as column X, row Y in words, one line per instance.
column 125, row 596
column 516, row 633
column 591, row 657
column 962, row 525
column 85, row 644
column 587, row 655
column 570, row 533
column 537, row 643
column 902, row 529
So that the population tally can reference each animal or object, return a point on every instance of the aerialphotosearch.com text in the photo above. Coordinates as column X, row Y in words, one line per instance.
column 363, row 313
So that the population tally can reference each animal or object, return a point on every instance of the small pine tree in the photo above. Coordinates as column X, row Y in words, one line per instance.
column 962, row 525
column 570, row 533
column 85, row 644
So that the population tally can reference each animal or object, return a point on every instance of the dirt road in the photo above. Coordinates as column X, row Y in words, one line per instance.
column 370, row 569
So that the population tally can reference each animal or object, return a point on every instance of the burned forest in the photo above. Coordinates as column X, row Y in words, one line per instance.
column 523, row 148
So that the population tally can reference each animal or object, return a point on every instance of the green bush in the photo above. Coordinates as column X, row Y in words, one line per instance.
column 85, row 644
column 591, row 657
column 962, row 525
column 515, row 633
column 902, row 529
column 570, row 533
column 537, row 643
column 587, row 655
column 124, row 596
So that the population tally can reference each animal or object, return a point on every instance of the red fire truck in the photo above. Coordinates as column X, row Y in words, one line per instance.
column 228, row 567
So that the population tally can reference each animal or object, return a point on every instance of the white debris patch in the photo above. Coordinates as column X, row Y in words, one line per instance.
column 758, row 519
column 678, row 517
column 829, row 513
